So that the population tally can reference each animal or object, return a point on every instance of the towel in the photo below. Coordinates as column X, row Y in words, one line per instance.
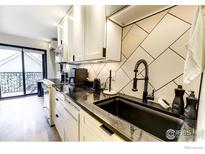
column 194, row 63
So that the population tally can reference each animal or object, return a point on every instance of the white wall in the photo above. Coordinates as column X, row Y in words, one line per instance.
column 27, row 42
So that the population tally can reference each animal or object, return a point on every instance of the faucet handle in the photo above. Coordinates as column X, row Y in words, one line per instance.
column 151, row 97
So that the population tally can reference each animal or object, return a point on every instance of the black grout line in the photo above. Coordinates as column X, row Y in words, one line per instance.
column 93, row 69
column 115, row 22
column 147, row 35
column 168, row 82
column 141, row 28
column 150, row 15
column 100, row 70
column 150, row 84
column 123, row 62
column 170, row 45
column 147, row 52
column 126, row 73
column 179, row 18
column 175, row 81
column 123, row 37
column 125, row 85
column 177, row 53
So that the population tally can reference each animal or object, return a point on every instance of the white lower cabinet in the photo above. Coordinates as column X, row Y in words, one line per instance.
column 71, row 122
column 74, row 124
column 58, row 119
column 93, row 130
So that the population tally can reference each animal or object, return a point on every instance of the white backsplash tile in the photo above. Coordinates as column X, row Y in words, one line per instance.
column 121, row 80
column 166, row 32
column 129, row 65
column 149, row 23
column 103, row 75
column 185, row 12
column 167, row 67
column 132, row 40
column 98, row 67
column 167, row 93
column 179, row 45
column 126, row 30
column 115, row 65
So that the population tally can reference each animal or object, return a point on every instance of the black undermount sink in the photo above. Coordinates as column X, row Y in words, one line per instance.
column 148, row 119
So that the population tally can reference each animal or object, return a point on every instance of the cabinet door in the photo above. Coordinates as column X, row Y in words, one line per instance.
column 70, row 36
column 78, row 32
column 71, row 121
column 71, row 127
column 93, row 130
column 89, row 135
column 113, row 41
column 95, row 28
column 65, row 39
column 59, row 124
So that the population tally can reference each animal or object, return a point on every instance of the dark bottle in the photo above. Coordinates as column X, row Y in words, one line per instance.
column 178, row 102
column 190, row 112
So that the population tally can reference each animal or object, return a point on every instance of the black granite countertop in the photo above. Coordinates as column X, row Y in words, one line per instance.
column 85, row 98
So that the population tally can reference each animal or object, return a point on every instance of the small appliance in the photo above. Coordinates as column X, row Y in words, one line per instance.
column 78, row 76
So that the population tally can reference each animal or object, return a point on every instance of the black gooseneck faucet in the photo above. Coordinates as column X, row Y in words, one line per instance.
column 146, row 79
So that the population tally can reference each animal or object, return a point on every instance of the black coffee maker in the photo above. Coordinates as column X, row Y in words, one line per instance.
column 78, row 76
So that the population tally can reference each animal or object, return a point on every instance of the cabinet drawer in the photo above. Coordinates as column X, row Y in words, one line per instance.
column 59, row 124
column 71, row 126
column 71, row 109
column 60, row 96
column 59, row 106
column 100, row 131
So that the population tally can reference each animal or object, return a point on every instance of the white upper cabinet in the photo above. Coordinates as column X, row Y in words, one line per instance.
column 62, row 51
column 95, row 23
column 70, row 35
column 113, row 41
column 86, row 34
column 78, row 32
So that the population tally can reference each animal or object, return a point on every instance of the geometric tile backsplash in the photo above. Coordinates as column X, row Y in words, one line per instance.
column 160, row 40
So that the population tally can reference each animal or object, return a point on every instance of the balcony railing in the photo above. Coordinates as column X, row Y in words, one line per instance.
column 11, row 82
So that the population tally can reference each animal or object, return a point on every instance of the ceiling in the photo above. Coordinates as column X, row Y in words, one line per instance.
column 37, row 22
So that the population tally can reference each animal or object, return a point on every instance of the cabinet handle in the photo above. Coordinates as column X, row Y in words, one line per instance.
column 107, row 130
column 73, row 57
column 57, row 115
column 57, row 99
column 104, row 52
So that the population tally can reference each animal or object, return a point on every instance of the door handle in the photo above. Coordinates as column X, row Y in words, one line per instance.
column 57, row 115
column 107, row 130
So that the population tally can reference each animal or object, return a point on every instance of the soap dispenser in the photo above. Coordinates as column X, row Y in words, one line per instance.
column 178, row 102
column 190, row 112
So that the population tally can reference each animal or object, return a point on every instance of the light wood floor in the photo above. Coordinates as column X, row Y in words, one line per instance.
column 22, row 119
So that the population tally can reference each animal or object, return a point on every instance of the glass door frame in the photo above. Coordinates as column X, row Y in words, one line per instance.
column 44, row 67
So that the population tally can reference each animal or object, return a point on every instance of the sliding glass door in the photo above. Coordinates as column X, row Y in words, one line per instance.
column 33, row 61
column 20, row 69
column 11, row 79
